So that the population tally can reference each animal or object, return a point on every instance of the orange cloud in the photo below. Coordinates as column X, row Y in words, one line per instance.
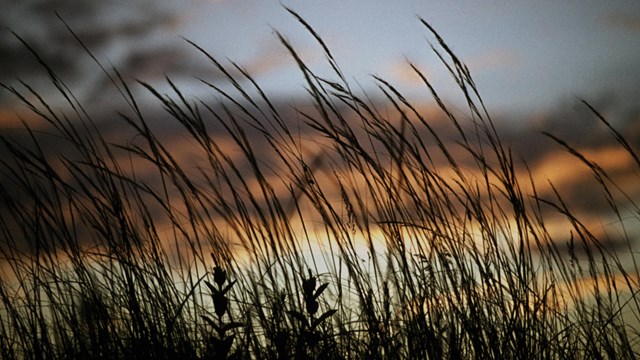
column 401, row 71
column 13, row 118
column 270, row 58
column 497, row 58
column 563, row 168
column 628, row 22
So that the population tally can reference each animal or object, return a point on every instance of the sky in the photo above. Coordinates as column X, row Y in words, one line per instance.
column 524, row 55
column 535, row 58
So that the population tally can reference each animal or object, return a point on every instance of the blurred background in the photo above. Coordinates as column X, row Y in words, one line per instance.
column 525, row 56
column 533, row 61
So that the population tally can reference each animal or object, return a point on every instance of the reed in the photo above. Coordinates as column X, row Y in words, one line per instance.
column 355, row 228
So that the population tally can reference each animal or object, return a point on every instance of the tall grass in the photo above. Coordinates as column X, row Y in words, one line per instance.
column 357, row 228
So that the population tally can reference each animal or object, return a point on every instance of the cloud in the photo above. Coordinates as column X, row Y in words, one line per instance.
column 125, row 33
column 627, row 22
column 270, row 58
column 572, row 177
column 400, row 71
column 494, row 59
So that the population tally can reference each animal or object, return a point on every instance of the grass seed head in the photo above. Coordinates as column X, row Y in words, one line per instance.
column 219, row 276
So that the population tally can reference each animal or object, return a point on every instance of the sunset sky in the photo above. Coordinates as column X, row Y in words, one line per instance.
column 532, row 61
column 412, row 207
column 525, row 55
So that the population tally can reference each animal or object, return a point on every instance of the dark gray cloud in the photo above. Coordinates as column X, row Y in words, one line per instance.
column 138, row 37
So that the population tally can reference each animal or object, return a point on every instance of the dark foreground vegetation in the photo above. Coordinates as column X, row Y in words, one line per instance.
column 392, row 238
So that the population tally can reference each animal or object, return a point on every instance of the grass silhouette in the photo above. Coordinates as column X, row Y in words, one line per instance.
column 396, row 237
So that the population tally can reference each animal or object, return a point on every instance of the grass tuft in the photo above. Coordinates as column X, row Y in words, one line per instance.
column 353, row 228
